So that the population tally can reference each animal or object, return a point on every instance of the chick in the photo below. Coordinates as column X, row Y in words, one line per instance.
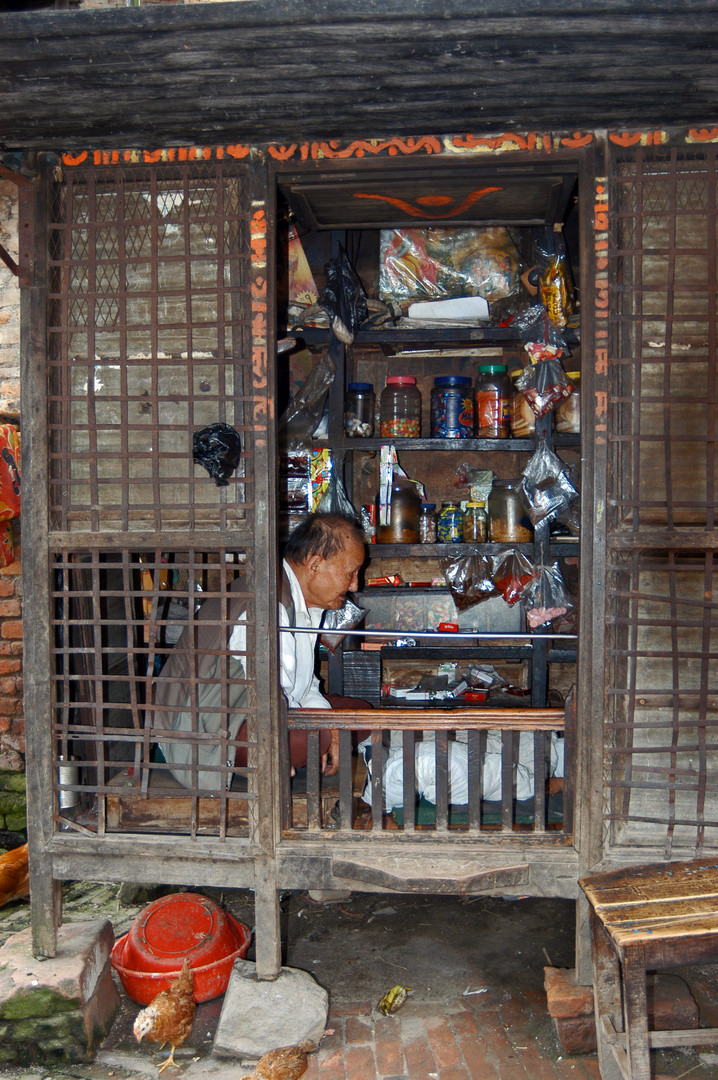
column 168, row 1019
column 286, row 1063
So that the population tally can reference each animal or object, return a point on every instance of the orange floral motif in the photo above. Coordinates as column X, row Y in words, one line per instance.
column 703, row 134
column 416, row 211
column 471, row 142
column 150, row 156
column 282, row 153
column 626, row 139
column 428, row 143
column 238, row 151
column 577, row 139
column 74, row 159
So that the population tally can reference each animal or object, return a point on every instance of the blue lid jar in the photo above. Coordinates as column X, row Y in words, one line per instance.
column 452, row 408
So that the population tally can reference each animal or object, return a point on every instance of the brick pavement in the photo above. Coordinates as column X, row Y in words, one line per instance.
column 473, row 1038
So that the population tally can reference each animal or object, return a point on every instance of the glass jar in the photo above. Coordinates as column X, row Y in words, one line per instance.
column 508, row 521
column 427, row 523
column 359, row 406
column 523, row 418
column 450, row 526
column 403, row 527
column 493, row 402
column 400, row 408
column 452, row 408
column 475, row 523
column 567, row 414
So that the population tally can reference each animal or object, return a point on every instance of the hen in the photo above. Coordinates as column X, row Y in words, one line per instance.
column 286, row 1063
column 14, row 876
column 168, row 1019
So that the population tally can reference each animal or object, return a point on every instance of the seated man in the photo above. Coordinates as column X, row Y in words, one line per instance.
column 322, row 560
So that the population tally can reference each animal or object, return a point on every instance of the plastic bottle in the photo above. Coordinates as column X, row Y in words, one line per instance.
column 400, row 408
column 359, row 405
column 523, row 418
column 427, row 523
column 452, row 408
column 475, row 523
column 493, row 402
column 567, row 414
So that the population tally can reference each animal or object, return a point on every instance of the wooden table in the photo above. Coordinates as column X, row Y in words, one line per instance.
column 647, row 918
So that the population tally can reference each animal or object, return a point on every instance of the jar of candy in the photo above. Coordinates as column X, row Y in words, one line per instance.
column 427, row 523
column 523, row 418
column 475, row 523
column 452, row 408
column 359, row 410
column 450, row 526
column 508, row 521
column 567, row 414
column 403, row 527
column 493, row 402
column 400, row 408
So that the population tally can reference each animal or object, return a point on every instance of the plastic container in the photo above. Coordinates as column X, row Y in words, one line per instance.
column 403, row 527
column 476, row 528
column 400, row 408
column 493, row 402
column 450, row 526
column 174, row 928
column 427, row 523
column 452, row 408
column 508, row 520
column 567, row 414
column 523, row 418
column 359, row 405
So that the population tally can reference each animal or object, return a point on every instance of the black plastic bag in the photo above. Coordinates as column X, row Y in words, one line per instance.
column 217, row 448
column 301, row 417
column 343, row 298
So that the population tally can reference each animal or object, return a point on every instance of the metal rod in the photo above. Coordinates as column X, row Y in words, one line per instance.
column 483, row 635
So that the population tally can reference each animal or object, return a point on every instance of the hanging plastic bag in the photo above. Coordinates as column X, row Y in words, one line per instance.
column 469, row 580
column 541, row 339
column 545, row 489
column 543, row 385
column 555, row 281
column 302, row 415
column 217, row 448
column 512, row 572
column 345, row 618
column 343, row 298
column 478, row 480
column 546, row 597
column 336, row 501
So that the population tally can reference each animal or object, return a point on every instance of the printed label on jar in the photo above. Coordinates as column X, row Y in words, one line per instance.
column 493, row 411
column 452, row 415
column 450, row 526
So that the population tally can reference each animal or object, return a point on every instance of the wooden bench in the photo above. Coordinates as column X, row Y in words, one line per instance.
column 647, row 918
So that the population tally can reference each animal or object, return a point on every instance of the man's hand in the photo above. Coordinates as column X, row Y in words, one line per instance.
column 330, row 760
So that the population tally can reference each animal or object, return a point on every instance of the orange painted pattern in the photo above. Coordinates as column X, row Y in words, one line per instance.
column 600, row 225
column 432, row 200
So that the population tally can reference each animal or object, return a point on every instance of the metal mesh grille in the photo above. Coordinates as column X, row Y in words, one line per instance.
column 116, row 619
column 148, row 343
column 662, row 750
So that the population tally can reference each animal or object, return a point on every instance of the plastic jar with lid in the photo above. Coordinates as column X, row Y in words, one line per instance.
column 450, row 526
column 427, row 523
column 475, row 523
column 452, row 408
column 403, row 527
column 493, row 402
column 523, row 418
column 508, row 521
column 400, row 408
column 359, row 405
column 567, row 414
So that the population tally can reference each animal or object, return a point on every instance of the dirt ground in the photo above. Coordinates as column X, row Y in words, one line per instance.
column 448, row 949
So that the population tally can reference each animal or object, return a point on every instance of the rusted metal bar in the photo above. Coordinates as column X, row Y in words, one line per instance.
column 427, row 719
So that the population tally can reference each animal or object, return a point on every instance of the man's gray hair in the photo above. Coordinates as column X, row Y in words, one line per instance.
column 321, row 534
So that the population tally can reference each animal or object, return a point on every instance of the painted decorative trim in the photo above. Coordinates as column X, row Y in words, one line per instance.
column 600, row 242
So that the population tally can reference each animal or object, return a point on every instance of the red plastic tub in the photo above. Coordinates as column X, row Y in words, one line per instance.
column 183, row 925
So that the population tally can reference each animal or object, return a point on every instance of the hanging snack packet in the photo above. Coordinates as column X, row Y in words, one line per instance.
column 543, row 385
column 546, row 597
column 545, row 489
column 555, row 282
column 469, row 580
column 541, row 338
column 512, row 572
